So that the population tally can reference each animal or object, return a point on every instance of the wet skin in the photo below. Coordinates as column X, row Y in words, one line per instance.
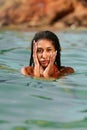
column 44, row 55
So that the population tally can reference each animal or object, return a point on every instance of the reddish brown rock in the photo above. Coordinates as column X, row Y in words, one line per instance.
column 39, row 13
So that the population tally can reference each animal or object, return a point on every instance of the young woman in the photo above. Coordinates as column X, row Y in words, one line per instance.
column 45, row 57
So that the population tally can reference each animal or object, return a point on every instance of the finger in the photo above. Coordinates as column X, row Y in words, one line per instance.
column 35, row 52
column 34, row 47
column 53, row 56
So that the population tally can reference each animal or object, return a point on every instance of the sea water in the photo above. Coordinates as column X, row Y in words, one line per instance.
column 36, row 104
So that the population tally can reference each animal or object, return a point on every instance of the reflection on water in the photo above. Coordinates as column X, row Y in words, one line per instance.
column 36, row 104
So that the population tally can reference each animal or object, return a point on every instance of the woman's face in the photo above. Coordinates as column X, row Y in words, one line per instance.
column 44, row 49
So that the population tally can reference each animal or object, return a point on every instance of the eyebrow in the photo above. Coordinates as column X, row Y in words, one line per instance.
column 39, row 48
column 42, row 48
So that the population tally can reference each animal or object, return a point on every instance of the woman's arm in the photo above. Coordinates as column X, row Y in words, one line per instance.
column 36, row 63
column 48, row 72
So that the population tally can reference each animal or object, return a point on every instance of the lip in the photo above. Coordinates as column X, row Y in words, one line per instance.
column 44, row 62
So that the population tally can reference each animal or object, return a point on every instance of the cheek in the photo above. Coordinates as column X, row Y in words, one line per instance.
column 49, row 54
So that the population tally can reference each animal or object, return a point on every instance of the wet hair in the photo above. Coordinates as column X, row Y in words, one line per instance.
column 55, row 41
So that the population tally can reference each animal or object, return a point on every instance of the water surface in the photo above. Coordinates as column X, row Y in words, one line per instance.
column 32, row 104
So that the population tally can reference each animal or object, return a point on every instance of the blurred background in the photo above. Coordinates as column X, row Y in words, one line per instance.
column 39, row 14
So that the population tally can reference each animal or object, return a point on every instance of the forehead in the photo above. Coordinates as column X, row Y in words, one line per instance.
column 45, row 43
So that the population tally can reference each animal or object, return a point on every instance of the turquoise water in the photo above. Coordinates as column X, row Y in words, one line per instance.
column 32, row 104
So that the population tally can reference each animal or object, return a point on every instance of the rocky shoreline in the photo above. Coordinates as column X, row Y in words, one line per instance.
column 43, row 14
column 35, row 29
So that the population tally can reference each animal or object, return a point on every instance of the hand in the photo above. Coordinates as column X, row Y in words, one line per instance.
column 35, row 53
column 36, row 62
column 49, row 69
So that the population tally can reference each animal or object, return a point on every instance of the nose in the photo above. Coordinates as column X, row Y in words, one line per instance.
column 44, row 54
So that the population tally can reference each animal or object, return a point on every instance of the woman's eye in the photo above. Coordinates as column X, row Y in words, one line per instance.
column 39, row 50
column 48, row 50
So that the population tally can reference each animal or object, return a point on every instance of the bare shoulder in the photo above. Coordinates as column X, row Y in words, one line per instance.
column 66, row 70
column 27, row 71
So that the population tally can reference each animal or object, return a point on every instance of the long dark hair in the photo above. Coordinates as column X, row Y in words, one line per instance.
column 55, row 41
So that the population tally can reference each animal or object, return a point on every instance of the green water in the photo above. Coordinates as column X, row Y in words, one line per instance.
column 32, row 104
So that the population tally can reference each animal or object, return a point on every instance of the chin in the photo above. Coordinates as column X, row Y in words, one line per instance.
column 44, row 66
